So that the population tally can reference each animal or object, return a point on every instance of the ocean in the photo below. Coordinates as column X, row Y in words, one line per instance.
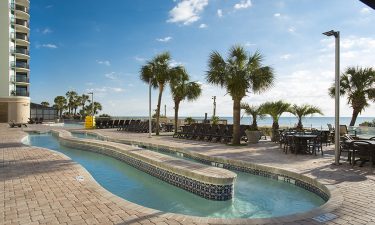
column 308, row 122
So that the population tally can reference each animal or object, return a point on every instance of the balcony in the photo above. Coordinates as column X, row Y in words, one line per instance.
column 20, row 8
column 22, row 37
column 22, row 79
column 24, row 93
column 22, row 23
column 23, row 51
column 23, row 65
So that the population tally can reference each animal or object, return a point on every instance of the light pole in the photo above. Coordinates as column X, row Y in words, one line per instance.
column 149, row 108
column 92, row 103
column 214, row 113
column 336, row 34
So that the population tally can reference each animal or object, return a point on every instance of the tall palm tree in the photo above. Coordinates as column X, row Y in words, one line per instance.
column 302, row 111
column 275, row 110
column 182, row 89
column 77, row 103
column 60, row 103
column 71, row 95
column 97, row 107
column 84, row 98
column 160, row 71
column 239, row 74
column 45, row 104
column 358, row 84
column 255, row 112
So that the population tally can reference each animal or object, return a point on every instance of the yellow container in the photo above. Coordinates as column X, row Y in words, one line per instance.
column 90, row 122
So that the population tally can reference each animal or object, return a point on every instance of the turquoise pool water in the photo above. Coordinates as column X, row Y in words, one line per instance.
column 255, row 196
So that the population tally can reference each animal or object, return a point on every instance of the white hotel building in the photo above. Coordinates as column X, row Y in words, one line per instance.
column 14, row 60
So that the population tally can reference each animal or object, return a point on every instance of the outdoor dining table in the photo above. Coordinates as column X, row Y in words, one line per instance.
column 301, row 141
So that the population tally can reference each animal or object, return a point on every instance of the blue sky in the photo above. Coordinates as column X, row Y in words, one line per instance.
column 95, row 45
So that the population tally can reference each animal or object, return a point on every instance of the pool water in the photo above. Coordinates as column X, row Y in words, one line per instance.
column 255, row 196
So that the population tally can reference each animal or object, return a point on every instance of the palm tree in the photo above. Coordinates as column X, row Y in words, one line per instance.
column 238, row 74
column 84, row 98
column 60, row 104
column 45, row 104
column 255, row 112
column 77, row 103
column 71, row 95
column 160, row 72
column 302, row 111
column 182, row 89
column 358, row 85
column 97, row 107
column 275, row 110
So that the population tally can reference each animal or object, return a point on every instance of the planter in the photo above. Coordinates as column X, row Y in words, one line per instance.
column 252, row 136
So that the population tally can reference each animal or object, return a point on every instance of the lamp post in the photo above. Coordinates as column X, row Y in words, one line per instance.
column 149, row 108
column 92, row 103
column 214, row 113
column 336, row 34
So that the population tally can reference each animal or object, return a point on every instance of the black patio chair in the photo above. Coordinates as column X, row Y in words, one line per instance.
column 363, row 150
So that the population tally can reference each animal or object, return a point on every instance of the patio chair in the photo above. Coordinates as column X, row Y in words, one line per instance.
column 116, row 123
column 345, row 147
column 212, row 131
column 31, row 121
column 363, row 151
column 12, row 124
column 228, row 134
column 219, row 134
column 120, row 124
column 316, row 144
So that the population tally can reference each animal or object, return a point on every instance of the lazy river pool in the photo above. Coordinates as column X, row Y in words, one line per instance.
column 254, row 196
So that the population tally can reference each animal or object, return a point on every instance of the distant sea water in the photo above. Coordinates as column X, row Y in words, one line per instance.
column 312, row 122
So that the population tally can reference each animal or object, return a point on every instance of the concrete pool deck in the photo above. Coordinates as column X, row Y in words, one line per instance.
column 39, row 186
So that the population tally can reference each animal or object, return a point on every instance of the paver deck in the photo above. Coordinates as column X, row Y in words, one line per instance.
column 39, row 186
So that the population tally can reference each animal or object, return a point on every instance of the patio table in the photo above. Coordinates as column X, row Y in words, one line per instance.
column 361, row 142
column 301, row 141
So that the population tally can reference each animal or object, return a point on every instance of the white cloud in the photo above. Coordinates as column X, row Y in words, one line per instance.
column 248, row 44
column 277, row 15
column 365, row 10
column 139, row 59
column 105, row 90
column 51, row 46
column 187, row 11
column 46, row 31
column 166, row 39
column 286, row 56
column 292, row 29
column 110, row 76
column 244, row 4
column 104, row 62
column 220, row 13
column 203, row 25
column 49, row 6
column 174, row 63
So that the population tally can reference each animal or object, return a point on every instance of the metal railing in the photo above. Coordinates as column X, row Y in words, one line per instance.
column 22, row 36
column 21, row 8
column 22, row 23
column 22, row 93
column 20, row 64
column 22, row 79
column 24, row 51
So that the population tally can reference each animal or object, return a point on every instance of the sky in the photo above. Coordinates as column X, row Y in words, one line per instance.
column 100, row 46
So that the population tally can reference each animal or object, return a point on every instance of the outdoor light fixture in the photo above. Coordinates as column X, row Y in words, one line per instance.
column 336, row 34
column 92, row 102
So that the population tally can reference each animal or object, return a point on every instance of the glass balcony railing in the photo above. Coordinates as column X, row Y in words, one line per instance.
column 22, row 36
column 21, row 8
column 22, row 79
column 21, row 51
column 22, row 93
column 22, row 23
column 20, row 65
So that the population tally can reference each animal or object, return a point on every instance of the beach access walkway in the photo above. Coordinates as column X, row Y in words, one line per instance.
column 39, row 186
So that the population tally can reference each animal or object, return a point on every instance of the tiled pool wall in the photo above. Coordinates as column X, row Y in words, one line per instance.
column 301, row 181
column 206, row 190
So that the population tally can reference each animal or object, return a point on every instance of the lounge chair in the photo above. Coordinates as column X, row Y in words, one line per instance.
column 12, row 124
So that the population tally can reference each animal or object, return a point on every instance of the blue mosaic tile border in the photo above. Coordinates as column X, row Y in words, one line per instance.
column 205, row 190
column 275, row 176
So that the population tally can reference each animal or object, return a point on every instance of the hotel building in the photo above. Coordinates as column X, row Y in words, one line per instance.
column 14, row 61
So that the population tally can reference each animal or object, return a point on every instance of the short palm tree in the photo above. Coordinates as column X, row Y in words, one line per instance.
column 97, row 107
column 302, row 111
column 358, row 85
column 275, row 110
column 45, row 104
column 239, row 74
column 71, row 95
column 60, row 104
column 182, row 89
column 160, row 71
column 255, row 112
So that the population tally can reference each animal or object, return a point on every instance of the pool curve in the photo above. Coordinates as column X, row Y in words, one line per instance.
column 176, row 200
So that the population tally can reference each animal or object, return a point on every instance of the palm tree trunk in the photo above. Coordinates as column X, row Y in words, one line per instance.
column 299, row 125
column 236, row 121
column 176, row 107
column 161, row 88
column 254, row 125
column 354, row 117
column 275, row 127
